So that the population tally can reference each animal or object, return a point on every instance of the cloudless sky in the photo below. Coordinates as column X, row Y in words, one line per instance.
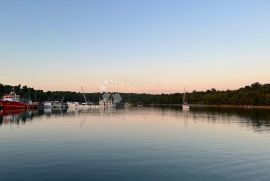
column 134, row 45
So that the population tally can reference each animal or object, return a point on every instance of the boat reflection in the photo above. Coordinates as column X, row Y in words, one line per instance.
column 21, row 116
column 258, row 120
column 50, row 111
column 17, row 116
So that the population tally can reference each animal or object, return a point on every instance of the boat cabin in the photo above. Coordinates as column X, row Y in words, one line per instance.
column 12, row 97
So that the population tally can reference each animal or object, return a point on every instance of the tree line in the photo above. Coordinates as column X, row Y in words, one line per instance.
column 254, row 94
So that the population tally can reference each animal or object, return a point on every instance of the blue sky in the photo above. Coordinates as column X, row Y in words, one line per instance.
column 63, row 44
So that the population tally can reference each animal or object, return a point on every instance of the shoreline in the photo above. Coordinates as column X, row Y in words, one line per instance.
column 212, row 106
column 232, row 106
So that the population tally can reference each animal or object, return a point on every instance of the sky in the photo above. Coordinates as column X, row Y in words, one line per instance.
column 149, row 46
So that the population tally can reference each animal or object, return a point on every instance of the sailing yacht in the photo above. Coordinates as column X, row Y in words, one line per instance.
column 86, row 104
column 77, row 105
column 185, row 105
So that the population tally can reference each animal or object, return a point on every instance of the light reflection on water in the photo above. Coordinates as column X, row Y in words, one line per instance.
column 135, row 144
column 255, row 119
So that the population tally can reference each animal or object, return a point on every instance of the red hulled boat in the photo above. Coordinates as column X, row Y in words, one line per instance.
column 12, row 101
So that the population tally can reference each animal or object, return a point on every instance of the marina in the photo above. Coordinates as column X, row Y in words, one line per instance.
column 12, row 101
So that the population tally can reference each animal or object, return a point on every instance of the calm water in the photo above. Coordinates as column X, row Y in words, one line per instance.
column 136, row 144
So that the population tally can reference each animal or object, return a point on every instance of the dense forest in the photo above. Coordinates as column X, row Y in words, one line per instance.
column 255, row 94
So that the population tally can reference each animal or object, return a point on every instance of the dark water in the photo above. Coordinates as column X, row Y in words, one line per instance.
column 136, row 144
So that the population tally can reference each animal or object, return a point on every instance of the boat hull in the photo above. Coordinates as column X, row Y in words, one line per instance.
column 185, row 107
column 8, row 105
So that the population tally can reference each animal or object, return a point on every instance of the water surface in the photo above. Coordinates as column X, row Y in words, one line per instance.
column 136, row 144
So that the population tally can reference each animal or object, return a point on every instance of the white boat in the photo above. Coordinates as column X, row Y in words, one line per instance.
column 185, row 105
column 77, row 105
column 73, row 105
column 47, row 110
column 55, row 105
column 47, row 105
column 86, row 104
column 58, row 105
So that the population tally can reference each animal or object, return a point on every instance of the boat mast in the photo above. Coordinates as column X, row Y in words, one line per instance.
column 184, row 96
column 62, row 100
column 84, row 95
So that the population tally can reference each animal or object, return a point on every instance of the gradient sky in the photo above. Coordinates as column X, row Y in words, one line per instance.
column 134, row 46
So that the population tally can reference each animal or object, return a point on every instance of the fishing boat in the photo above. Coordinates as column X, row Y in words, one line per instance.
column 185, row 105
column 12, row 101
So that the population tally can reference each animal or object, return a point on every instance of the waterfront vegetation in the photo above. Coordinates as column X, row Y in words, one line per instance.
column 255, row 94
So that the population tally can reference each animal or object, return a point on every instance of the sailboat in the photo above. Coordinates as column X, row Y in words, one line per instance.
column 86, row 104
column 77, row 105
column 185, row 105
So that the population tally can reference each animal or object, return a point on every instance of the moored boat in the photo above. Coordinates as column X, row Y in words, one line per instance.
column 54, row 105
column 77, row 105
column 185, row 105
column 34, row 105
column 47, row 105
column 73, row 105
column 59, row 105
column 12, row 101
